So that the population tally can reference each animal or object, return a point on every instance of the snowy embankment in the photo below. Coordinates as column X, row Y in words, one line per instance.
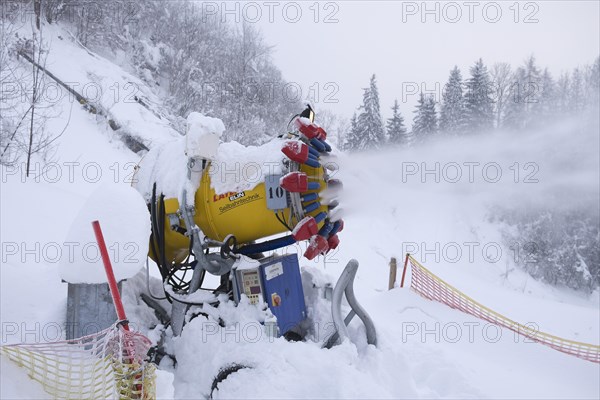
column 426, row 350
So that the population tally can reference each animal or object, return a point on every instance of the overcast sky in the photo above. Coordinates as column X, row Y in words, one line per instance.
column 345, row 42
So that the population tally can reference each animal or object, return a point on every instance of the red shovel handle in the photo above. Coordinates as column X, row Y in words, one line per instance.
column 112, row 282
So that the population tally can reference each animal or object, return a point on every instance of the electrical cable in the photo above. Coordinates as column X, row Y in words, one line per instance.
column 282, row 221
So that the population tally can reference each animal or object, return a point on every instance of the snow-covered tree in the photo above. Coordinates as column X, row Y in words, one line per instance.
column 558, row 248
column 352, row 136
column 194, row 59
column 425, row 119
column 26, row 133
column 593, row 84
column 396, row 131
column 545, row 109
column 478, row 101
column 525, row 95
column 577, row 101
column 563, row 84
column 369, row 125
column 532, row 89
column 515, row 110
column 501, row 75
column 452, row 114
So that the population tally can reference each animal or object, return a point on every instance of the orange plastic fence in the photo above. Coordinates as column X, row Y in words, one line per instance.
column 432, row 287
column 108, row 365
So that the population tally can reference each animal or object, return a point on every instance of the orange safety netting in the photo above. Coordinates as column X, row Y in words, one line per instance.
column 432, row 287
column 109, row 364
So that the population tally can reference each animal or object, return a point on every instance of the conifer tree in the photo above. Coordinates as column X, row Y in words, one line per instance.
column 425, row 120
column 352, row 135
column 546, row 109
column 452, row 114
column 369, row 125
column 593, row 84
column 562, row 93
column 478, row 102
column 577, row 101
column 396, row 131
column 525, row 95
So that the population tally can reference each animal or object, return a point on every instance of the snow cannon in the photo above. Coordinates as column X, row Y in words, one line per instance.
column 217, row 207
column 204, row 195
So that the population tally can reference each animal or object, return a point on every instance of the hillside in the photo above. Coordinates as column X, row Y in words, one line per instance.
column 387, row 211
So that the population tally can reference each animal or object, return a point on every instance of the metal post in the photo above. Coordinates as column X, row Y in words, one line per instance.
column 393, row 270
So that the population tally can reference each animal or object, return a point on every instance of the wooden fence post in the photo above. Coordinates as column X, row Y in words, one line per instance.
column 393, row 270
column 404, row 270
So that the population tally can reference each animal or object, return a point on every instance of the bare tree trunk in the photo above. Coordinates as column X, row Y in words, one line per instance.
column 34, row 95
column 30, row 140
column 501, row 74
column 33, row 99
column 15, row 131
column 37, row 9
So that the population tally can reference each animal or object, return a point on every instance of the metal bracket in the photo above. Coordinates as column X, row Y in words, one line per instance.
column 345, row 285
column 204, row 263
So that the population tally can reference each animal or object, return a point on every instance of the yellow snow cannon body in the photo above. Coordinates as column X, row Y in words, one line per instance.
column 285, row 197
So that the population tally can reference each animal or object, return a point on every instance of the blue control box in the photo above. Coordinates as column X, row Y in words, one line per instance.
column 283, row 291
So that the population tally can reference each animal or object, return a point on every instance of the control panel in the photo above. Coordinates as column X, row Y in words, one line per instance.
column 251, row 284
column 278, row 283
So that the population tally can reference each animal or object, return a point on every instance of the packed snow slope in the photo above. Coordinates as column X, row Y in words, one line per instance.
column 426, row 350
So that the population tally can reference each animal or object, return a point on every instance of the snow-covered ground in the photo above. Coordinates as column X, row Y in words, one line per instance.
column 426, row 350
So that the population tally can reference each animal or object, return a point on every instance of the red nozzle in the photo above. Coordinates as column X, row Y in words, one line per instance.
column 321, row 134
column 296, row 151
column 309, row 130
column 317, row 245
column 305, row 229
column 294, row 182
column 333, row 242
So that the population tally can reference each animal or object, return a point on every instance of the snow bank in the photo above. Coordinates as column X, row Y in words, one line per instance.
column 278, row 368
column 125, row 223
column 16, row 384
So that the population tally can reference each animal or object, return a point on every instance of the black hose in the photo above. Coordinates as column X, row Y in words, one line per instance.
column 224, row 374
column 156, row 233
column 173, row 274
column 161, row 226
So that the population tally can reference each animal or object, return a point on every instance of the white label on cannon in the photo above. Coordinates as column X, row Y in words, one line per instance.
column 276, row 195
column 273, row 271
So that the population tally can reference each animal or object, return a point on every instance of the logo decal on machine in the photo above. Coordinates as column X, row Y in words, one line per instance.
column 237, row 196
column 239, row 199
column 217, row 197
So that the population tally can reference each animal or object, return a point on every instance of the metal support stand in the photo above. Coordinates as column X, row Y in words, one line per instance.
column 89, row 309
column 203, row 264
column 345, row 285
